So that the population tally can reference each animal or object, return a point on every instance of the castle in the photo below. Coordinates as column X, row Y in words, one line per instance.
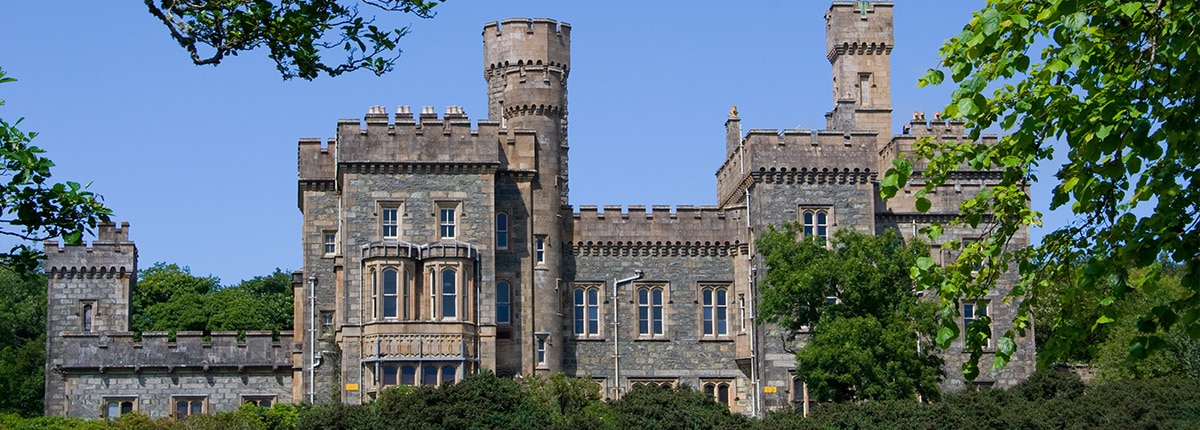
column 434, row 248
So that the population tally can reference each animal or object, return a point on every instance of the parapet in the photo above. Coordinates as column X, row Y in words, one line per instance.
column 111, row 254
column 158, row 351
column 846, row 34
column 525, row 42
column 424, row 139
column 704, row 230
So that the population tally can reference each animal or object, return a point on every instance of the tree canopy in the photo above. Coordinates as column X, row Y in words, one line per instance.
column 856, row 300
column 170, row 298
column 301, row 35
column 1115, row 81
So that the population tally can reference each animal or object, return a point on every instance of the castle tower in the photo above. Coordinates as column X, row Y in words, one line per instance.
column 859, row 36
column 88, row 296
column 526, row 63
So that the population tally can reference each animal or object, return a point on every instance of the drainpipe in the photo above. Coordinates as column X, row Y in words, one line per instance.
column 637, row 274
column 312, row 337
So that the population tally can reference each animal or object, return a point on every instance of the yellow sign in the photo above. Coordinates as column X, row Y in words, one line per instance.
column 769, row 389
column 351, row 387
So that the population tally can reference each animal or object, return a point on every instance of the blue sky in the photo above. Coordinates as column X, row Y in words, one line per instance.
column 202, row 160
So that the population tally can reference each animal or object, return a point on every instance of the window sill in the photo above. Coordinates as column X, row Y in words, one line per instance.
column 589, row 339
column 716, row 339
column 651, row 339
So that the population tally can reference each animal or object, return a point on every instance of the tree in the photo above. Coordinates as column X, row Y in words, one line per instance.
column 300, row 34
column 857, row 299
column 1115, row 81
column 170, row 298
column 33, row 209
column 22, row 342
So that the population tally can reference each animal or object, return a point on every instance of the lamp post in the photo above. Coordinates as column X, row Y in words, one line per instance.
column 637, row 274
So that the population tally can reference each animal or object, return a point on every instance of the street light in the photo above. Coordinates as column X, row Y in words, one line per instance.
column 637, row 274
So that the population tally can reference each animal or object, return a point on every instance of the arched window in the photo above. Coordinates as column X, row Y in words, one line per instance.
column 503, row 303
column 448, row 373
column 816, row 225
column 389, row 376
column 408, row 375
column 715, row 303
column 501, row 230
column 87, row 318
column 719, row 390
column 587, row 311
column 449, row 293
column 430, row 376
column 650, row 311
column 390, row 295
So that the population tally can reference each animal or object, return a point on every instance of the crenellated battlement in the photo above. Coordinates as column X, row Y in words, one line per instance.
column 667, row 230
column 921, row 127
column 841, row 156
column 161, row 351
column 425, row 138
column 520, row 45
column 858, row 28
column 112, row 254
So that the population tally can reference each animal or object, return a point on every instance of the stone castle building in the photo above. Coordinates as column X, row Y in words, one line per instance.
column 434, row 248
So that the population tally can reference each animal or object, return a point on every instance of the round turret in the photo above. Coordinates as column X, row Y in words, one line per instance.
column 526, row 62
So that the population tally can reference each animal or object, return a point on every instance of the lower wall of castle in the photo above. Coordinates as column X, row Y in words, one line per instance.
column 156, row 394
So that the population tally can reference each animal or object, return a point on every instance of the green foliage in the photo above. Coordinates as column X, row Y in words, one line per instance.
column 33, row 208
column 300, row 34
column 567, row 400
column 1048, row 400
column 169, row 298
column 863, row 344
column 649, row 407
column 1114, row 81
column 22, row 342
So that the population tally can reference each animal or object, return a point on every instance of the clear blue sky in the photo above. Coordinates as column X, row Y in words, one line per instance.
column 202, row 160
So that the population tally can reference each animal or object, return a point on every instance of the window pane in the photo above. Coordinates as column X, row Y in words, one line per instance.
column 181, row 408
column 197, row 407
column 447, row 374
column 708, row 311
column 114, row 409
column 579, row 306
column 658, row 296
column 822, row 218
column 501, row 230
column 721, row 300
column 389, row 293
column 721, row 320
column 408, row 375
column 708, row 299
column 431, row 376
column 389, row 375
column 87, row 318
column 593, row 319
column 723, row 394
column 449, row 299
column 644, row 319
column 502, row 301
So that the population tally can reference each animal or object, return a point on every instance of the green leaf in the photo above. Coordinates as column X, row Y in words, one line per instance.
column 922, row 205
column 1056, row 65
column 966, row 107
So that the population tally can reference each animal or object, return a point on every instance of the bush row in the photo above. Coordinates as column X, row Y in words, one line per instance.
column 1048, row 400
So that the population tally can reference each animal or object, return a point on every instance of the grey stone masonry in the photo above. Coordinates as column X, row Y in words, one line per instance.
column 92, row 359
